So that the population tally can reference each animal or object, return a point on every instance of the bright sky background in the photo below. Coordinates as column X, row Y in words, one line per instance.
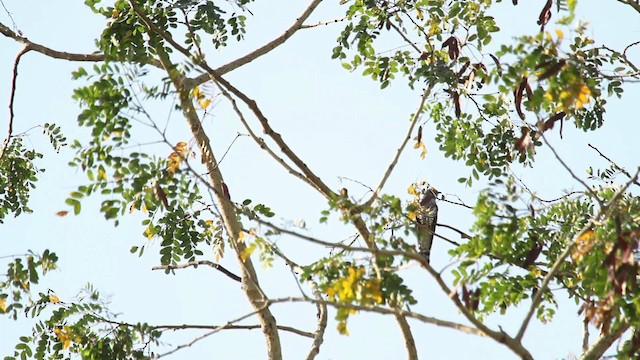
column 341, row 124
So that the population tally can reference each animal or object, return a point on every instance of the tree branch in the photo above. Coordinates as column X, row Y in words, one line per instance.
column 604, row 342
column 297, row 25
column 387, row 311
column 14, row 81
column 394, row 162
column 4, row 30
column 573, row 175
column 320, row 23
column 252, row 289
column 215, row 330
column 260, row 141
column 634, row 4
column 216, row 266
column 585, row 334
column 318, row 336
column 567, row 251
column 501, row 337
column 231, row 327
column 409, row 342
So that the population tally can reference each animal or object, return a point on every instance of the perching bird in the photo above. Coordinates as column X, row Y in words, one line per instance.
column 426, row 218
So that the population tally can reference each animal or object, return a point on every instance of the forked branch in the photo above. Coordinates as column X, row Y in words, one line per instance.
column 297, row 25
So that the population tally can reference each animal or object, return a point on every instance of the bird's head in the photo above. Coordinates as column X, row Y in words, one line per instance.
column 430, row 196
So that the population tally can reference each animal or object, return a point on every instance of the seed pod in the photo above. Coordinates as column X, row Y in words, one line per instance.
column 552, row 70
column 532, row 255
column 545, row 15
column 456, row 101
column 454, row 47
column 549, row 123
column 160, row 194
column 518, row 93
column 498, row 67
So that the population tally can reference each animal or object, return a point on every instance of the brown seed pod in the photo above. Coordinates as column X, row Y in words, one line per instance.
column 545, row 15
column 549, row 123
column 552, row 70
column 532, row 255
column 498, row 67
column 454, row 47
column 518, row 94
column 456, row 101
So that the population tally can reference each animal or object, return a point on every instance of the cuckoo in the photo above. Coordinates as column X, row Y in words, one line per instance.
column 426, row 218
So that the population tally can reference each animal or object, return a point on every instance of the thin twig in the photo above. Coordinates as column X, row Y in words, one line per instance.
column 260, row 141
column 216, row 266
column 621, row 169
column 393, row 163
column 391, row 311
column 233, row 327
column 462, row 234
column 324, row 23
column 207, row 327
column 406, row 39
column 15, row 27
column 573, row 175
column 215, row 330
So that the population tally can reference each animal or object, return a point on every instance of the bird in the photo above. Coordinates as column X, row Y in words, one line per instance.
column 426, row 219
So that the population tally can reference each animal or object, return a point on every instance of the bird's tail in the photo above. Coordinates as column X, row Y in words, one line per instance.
column 426, row 254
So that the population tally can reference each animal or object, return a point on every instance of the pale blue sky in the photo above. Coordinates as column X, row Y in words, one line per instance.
column 341, row 124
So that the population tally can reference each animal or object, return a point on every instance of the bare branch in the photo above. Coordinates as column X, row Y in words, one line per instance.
column 14, row 81
column 585, row 335
column 215, row 330
column 573, row 175
column 320, row 23
column 404, row 37
column 207, row 327
column 391, row 166
column 216, row 266
column 48, row 51
column 231, row 327
column 567, row 251
column 409, row 342
column 10, row 16
column 260, row 141
column 390, row 311
column 318, row 336
column 634, row 4
column 297, row 25
column 621, row 169
column 462, row 234
column 603, row 342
